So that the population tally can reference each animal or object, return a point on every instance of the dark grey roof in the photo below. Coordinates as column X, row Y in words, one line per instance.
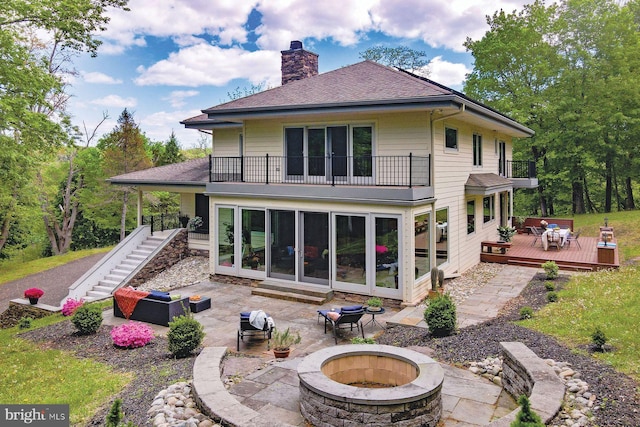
column 365, row 86
column 192, row 172
column 486, row 183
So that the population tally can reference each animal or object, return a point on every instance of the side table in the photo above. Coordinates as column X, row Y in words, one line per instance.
column 200, row 305
column 373, row 314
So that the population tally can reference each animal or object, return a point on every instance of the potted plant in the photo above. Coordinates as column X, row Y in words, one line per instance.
column 506, row 233
column 33, row 294
column 374, row 304
column 282, row 342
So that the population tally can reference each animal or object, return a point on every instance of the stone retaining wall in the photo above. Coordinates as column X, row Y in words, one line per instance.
column 526, row 373
column 173, row 252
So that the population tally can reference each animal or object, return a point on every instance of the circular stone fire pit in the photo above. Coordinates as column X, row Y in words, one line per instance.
column 370, row 384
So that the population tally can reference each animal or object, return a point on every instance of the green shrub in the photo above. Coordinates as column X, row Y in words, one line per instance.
column 440, row 316
column 552, row 296
column 526, row 313
column 185, row 335
column 526, row 417
column 551, row 269
column 87, row 319
column 358, row 340
column 25, row 322
column 115, row 415
column 549, row 286
column 598, row 338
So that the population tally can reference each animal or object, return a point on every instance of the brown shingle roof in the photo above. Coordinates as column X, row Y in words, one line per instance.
column 191, row 172
column 486, row 183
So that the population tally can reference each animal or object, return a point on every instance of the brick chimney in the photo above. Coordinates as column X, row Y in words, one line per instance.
column 297, row 63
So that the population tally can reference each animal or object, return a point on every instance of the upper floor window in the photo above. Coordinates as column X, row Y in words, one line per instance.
column 488, row 204
column 477, row 150
column 451, row 138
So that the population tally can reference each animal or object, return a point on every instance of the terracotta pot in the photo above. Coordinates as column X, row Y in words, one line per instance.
column 33, row 301
column 281, row 354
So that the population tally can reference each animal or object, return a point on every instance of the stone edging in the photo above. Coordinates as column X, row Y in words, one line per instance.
column 214, row 399
column 526, row 373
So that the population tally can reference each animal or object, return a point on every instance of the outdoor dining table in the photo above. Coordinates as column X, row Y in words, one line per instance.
column 563, row 235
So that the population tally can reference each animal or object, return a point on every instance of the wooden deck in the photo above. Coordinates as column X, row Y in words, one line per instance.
column 584, row 258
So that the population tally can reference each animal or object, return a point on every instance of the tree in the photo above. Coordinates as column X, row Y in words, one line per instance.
column 400, row 57
column 36, row 39
column 166, row 153
column 569, row 71
column 123, row 152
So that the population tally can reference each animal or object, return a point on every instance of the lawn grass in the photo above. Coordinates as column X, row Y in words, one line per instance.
column 34, row 375
column 15, row 269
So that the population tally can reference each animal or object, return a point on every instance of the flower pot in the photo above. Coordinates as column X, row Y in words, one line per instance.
column 374, row 308
column 281, row 354
column 33, row 301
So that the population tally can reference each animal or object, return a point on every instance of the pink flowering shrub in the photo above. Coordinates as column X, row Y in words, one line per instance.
column 71, row 305
column 132, row 335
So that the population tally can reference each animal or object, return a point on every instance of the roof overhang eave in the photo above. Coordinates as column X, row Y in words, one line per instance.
column 211, row 124
column 142, row 182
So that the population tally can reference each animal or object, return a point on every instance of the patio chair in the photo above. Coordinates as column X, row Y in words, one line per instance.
column 536, row 233
column 248, row 329
column 553, row 239
column 573, row 237
column 343, row 318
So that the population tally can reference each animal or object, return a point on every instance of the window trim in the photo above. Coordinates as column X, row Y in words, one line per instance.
column 491, row 205
column 477, row 150
column 457, row 141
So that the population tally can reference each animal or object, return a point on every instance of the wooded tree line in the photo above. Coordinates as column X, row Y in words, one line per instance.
column 571, row 72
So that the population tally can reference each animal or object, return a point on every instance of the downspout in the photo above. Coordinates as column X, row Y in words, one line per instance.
column 432, row 222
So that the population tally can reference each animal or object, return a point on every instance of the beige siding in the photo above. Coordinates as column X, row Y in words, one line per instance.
column 226, row 143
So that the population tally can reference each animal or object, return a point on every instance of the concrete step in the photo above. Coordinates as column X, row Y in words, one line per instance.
column 147, row 247
column 109, row 283
column 129, row 263
column 136, row 258
column 103, row 289
column 141, row 253
column 98, row 295
column 297, row 288
column 288, row 296
column 120, row 272
column 114, row 278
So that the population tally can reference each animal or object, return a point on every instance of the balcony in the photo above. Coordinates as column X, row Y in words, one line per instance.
column 397, row 178
column 521, row 172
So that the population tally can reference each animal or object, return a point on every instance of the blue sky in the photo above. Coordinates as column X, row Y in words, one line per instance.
column 165, row 60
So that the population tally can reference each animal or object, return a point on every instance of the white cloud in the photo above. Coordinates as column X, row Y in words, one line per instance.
column 177, row 97
column 447, row 73
column 210, row 65
column 224, row 19
column 97, row 77
column 159, row 125
column 115, row 101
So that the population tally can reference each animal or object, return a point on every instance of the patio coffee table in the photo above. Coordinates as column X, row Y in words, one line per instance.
column 373, row 314
column 198, row 306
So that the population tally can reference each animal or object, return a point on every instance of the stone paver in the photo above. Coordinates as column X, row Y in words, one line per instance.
column 467, row 398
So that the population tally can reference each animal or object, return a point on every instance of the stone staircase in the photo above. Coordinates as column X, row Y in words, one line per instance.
column 292, row 292
column 120, row 273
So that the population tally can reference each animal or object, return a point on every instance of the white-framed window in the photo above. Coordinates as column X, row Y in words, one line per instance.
column 477, row 150
column 450, row 138
column 471, row 216
column 488, row 209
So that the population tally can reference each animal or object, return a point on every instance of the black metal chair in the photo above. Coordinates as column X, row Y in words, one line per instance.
column 346, row 317
column 536, row 233
column 246, row 328
column 573, row 237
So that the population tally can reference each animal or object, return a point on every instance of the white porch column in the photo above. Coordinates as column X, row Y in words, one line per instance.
column 139, row 212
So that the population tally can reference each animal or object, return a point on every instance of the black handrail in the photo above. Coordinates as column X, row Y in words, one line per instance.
column 400, row 171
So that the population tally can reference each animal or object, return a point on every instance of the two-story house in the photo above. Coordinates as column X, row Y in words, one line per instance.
column 359, row 180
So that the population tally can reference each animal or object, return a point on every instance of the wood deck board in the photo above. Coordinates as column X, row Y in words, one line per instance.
column 582, row 257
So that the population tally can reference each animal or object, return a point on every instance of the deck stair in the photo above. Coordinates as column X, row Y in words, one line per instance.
column 119, row 266
column 118, row 275
column 293, row 292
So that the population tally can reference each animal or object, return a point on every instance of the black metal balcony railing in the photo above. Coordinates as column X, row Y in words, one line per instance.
column 520, row 169
column 170, row 221
column 394, row 171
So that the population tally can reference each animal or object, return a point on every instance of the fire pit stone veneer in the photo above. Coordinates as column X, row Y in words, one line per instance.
column 393, row 386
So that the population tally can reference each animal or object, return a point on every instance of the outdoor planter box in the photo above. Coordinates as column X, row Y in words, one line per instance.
column 154, row 311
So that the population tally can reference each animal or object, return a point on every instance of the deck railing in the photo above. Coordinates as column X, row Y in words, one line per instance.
column 393, row 171
column 520, row 169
